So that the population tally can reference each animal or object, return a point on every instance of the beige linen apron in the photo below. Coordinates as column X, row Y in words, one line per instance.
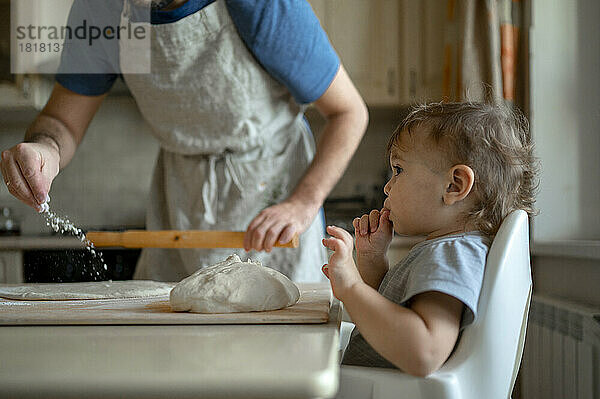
column 233, row 141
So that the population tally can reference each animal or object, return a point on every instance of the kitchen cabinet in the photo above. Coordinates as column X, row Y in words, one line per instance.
column 34, row 50
column 11, row 266
column 426, row 31
column 366, row 36
column 392, row 49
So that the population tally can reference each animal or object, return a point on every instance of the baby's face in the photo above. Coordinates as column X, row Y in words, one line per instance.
column 415, row 190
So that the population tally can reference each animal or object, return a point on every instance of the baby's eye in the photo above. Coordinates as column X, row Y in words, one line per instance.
column 397, row 170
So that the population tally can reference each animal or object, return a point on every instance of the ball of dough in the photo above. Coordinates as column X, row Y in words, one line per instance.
column 234, row 286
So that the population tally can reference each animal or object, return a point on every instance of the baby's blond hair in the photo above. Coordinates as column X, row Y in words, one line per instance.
column 494, row 141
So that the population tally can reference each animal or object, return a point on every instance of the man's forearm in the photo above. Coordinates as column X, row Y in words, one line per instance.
column 51, row 131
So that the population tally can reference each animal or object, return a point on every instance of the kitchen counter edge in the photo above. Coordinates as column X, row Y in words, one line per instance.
column 58, row 242
column 39, row 242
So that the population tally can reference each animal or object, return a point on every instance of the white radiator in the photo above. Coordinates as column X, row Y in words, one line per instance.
column 561, row 359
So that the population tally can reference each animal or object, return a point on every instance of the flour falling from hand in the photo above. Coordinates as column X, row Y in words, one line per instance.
column 63, row 225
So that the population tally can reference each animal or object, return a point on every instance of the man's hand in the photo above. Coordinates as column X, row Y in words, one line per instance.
column 50, row 143
column 278, row 223
column 341, row 270
column 28, row 170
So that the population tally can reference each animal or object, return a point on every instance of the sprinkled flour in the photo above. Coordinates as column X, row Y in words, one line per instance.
column 63, row 225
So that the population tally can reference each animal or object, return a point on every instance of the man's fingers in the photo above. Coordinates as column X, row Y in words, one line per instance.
column 253, row 237
column 257, row 221
column 265, row 234
column 271, row 236
column 4, row 160
column 15, row 181
column 30, row 164
column 250, row 231
column 258, row 237
column 287, row 234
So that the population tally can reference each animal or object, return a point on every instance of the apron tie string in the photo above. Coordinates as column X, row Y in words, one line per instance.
column 210, row 186
column 209, row 192
column 233, row 172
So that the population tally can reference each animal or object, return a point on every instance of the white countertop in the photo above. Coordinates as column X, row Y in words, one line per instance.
column 234, row 361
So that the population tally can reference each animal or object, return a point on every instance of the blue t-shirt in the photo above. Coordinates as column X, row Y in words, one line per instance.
column 284, row 36
column 453, row 265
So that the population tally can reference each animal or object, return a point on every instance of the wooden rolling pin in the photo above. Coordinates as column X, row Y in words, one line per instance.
column 175, row 239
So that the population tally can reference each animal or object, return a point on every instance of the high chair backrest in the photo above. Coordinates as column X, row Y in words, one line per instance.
column 487, row 358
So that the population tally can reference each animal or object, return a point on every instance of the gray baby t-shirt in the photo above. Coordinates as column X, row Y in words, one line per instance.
column 451, row 264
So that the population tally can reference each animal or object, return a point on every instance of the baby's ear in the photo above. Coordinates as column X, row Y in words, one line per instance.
column 459, row 184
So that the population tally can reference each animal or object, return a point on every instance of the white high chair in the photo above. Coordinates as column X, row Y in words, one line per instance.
column 486, row 360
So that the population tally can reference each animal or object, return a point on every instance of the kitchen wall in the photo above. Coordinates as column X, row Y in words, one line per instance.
column 565, row 120
column 106, row 183
column 565, row 117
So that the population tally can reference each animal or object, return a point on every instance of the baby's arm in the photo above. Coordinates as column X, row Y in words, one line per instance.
column 417, row 340
column 373, row 234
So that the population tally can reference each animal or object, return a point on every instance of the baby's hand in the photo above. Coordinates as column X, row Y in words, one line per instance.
column 341, row 270
column 373, row 233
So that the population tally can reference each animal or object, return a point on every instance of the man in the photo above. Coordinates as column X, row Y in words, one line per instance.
column 228, row 86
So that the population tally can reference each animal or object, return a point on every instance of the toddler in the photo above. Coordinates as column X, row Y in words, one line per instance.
column 458, row 170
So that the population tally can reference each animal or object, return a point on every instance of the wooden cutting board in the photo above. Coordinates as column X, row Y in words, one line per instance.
column 313, row 307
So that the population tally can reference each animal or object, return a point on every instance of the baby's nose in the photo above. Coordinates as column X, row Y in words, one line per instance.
column 386, row 188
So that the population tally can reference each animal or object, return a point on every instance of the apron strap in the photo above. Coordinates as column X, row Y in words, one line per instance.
column 126, row 10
